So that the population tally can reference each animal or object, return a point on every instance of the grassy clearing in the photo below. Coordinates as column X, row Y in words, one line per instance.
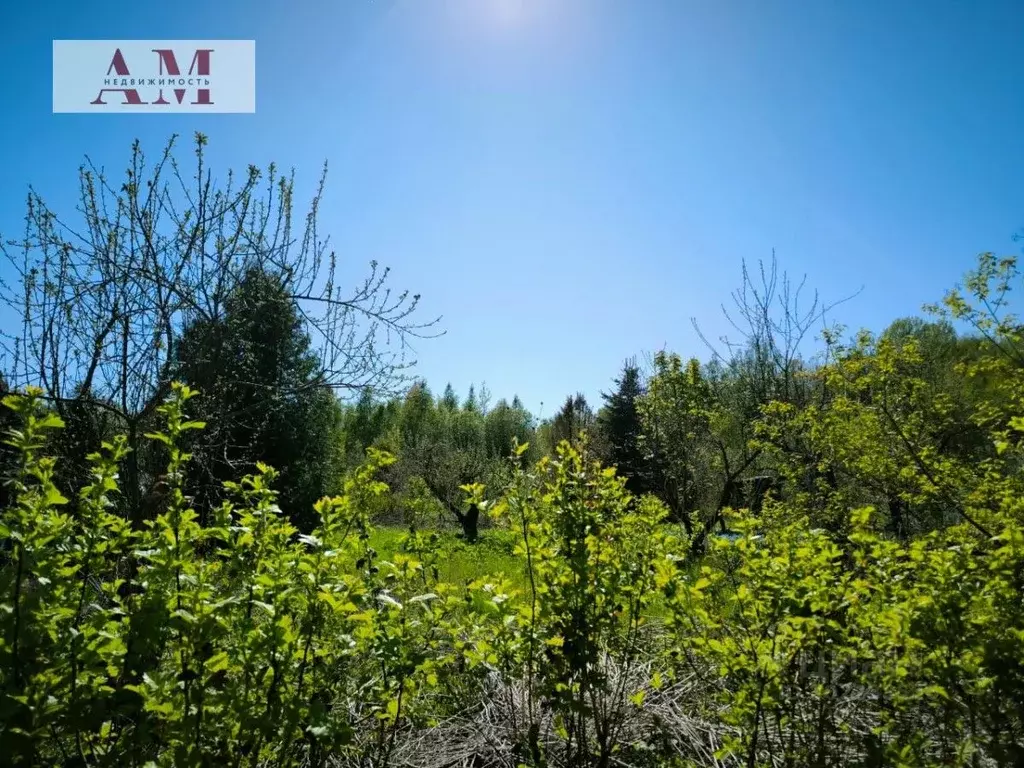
column 460, row 562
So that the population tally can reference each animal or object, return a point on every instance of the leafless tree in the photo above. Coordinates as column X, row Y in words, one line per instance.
column 773, row 318
column 104, row 298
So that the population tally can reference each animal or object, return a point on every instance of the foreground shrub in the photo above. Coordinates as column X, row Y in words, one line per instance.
column 246, row 642
column 237, row 643
column 871, row 653
column 589, row 549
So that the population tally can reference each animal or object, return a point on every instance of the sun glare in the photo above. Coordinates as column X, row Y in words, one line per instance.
column 506, row 13
column 549, row 34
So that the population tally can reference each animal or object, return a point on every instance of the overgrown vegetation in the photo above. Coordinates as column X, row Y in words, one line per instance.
column 759, row 560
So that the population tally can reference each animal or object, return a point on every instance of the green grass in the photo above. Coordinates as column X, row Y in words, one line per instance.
column 461, row 563
column 492, row 555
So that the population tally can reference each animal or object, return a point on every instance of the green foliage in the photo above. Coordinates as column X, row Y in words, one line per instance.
column 678, row 414
column 589, row 547
column 620, row 424
column 264, row 398
column 574, row 419
column 868, row 614
column 504, row 427
column 366, row 424
column 827, row 633
column 873, row 652
column 239, row 641
column 225, row 295
column 890, row 434
column 460, row 563
column 8, row 456
column 441, row 447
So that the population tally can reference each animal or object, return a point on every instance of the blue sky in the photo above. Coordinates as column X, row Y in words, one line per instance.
column 568, row 182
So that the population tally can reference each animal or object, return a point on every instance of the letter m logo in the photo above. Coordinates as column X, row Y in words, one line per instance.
column 169, row 64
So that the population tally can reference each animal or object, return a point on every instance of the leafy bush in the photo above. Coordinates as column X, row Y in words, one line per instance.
column 242, row 641
column 589, row 549
column 872, row 653
column 236, row 643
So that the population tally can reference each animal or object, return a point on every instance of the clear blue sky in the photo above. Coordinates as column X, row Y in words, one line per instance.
column 569, row 181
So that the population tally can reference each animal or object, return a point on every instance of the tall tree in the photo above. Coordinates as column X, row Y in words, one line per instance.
column 449, row 399
column 445, row 448
column 505, row 425
column 105, row 301
column 620, row 424
column 367, row 422
column 471, row 403
column 574, row 418
column 679, row 414
column 773, row 318
column 263, row 396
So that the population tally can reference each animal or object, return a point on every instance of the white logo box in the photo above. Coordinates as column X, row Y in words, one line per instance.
column 154, row 76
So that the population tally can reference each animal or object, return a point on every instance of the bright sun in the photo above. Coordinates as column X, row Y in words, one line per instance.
column 510, row 22
column 506, row 12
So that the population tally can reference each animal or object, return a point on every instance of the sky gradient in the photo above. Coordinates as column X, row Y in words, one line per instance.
column 568, row 182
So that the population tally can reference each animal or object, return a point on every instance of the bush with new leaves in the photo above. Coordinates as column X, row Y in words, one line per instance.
column 239, row 643
column 243, row 642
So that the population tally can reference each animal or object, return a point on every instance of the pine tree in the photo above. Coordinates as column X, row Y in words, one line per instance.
column 574, row 417
column 262, row 397
column 620, row 424
column 449, row 399
column 471, row 403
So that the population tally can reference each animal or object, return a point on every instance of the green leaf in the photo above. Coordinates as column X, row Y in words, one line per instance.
column 218, row 662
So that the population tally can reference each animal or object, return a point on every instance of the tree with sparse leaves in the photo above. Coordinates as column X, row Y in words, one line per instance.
column 105, row 300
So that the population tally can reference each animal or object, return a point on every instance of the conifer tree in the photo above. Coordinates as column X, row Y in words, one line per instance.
column 620, row 424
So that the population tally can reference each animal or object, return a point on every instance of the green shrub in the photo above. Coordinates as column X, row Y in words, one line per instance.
column 872, row 653
column 246, row 642
column 237, row 643
column 589, row 548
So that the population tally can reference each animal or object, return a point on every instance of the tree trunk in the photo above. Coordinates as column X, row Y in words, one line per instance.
column 470, row 522
column 897, row 517
column 697, row 546
column 677, row 505
column 131, row 490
